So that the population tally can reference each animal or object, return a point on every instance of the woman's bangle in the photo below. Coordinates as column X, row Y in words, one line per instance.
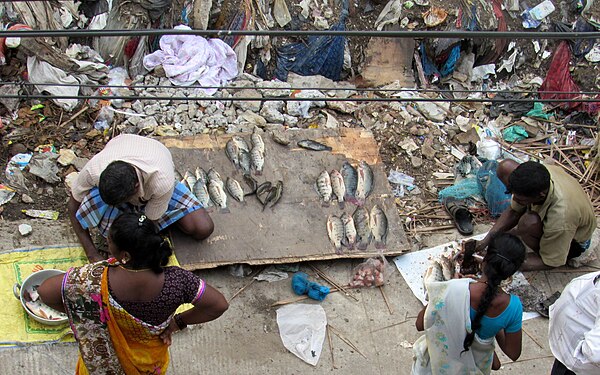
column 179, row 321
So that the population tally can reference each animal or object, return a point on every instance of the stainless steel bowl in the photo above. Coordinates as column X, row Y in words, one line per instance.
column 37, row 278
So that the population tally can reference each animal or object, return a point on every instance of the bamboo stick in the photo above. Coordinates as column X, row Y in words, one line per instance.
column 331, row 348
column 332, row 282
column 347, row 341
column 247, row 285
column 387, row 303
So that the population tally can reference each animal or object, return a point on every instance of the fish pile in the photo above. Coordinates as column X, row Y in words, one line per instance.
column 369, row 274
column 38, row 308
column 442, row 268
column 349, row 184
column 245, row 158
column 272, row 193
column 358, row 229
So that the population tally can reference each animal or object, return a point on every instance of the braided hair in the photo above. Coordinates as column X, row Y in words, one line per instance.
column 134, row 233
column 504, row 257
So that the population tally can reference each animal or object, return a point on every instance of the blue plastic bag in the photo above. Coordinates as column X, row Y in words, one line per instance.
column 301, row 286
column 492, row 189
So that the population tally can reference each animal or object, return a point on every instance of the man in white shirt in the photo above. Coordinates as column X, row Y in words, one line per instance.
column 574, row 331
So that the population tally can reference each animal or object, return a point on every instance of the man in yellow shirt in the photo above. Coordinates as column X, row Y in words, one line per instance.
column 549, row 211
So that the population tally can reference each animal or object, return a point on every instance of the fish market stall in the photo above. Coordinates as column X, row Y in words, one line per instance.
column 273, row 201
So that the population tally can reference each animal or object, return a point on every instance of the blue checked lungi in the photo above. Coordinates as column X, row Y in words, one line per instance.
column 93, row 212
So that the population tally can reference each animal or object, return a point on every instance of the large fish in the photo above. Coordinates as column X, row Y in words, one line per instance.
column 234, row 189
column 201, row 175
column 233, row 152
column 324, row 187
column 190, row 179
column 214, row 175
column 245, row 162
column 363, row 230
column 217, row 194
column 335, row 231
column 350, row 181
column 257, row 159
column 240, row 143
column 257, row 141
column 379, row 226
column 349, row 231
column 364, row 185
column 338, row 186
column 309, row 144
column 201, row 193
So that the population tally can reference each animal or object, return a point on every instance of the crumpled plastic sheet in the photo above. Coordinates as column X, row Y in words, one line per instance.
column 44, row 166
column 187, row 59
column 302, row 330
column 514, row 133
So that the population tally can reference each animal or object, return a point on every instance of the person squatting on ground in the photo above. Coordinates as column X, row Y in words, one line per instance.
column 122, row 310
column 464, row 316
column 133, row 173
column 574, row 330
column 549, row 211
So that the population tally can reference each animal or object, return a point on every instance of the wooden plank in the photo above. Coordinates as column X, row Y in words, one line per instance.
column 295, row 229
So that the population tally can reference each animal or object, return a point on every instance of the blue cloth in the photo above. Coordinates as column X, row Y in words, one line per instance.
column 510, row 320
column 301, row 286
column 492, row 189
column 321, row 55
column 94, row 212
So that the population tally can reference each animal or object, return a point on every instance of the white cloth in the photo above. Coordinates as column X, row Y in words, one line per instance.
column 187, row 59
column 447, row 320
column 574, row 330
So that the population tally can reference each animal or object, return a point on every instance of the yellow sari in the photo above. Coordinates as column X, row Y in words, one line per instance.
column 111, row 341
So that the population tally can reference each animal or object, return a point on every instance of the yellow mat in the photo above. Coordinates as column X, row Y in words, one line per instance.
column 16, row 326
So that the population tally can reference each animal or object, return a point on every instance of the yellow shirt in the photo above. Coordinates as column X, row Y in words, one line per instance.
column 567, row 214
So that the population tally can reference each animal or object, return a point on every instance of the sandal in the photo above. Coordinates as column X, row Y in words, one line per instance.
column 459, row 212
column 543, row 307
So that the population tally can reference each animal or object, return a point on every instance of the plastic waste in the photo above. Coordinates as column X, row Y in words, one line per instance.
column 542, row 10
column 538, row 111
column 301, row 285
column 41, row 214
column 13, row 173
column 44, row 166
column 104, row 119
column 514, row 133
column 434, row 16
column 489, row 149
column 302, row 330
column 271, row 274
column 6, row 194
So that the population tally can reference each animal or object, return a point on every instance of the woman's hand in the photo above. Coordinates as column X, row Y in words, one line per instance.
column 168, row 332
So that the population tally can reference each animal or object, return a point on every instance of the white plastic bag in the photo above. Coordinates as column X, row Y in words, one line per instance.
column 302, row 330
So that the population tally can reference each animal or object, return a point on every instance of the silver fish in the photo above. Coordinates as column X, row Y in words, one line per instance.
column 335, row 231
column 213, row 175
column 178, row 176
column 257, row 141
column 201, row 192
column 379, row 226
column 233, row 152
column 201, row 175
column 309, row 144
column 190, row 179
column 363, row 230
column 349, row 230
column 245, row 162
column 350, row 176
column 324, row 187
column 364, row 185
column 217, row 194
column 240, row 143
column 258, row 160
column 338, row 186
column 234, row 189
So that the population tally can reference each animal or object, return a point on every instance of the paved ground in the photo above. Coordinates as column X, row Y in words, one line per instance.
column 246, row 339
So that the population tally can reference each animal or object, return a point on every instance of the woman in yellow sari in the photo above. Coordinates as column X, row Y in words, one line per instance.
column 122, row 311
